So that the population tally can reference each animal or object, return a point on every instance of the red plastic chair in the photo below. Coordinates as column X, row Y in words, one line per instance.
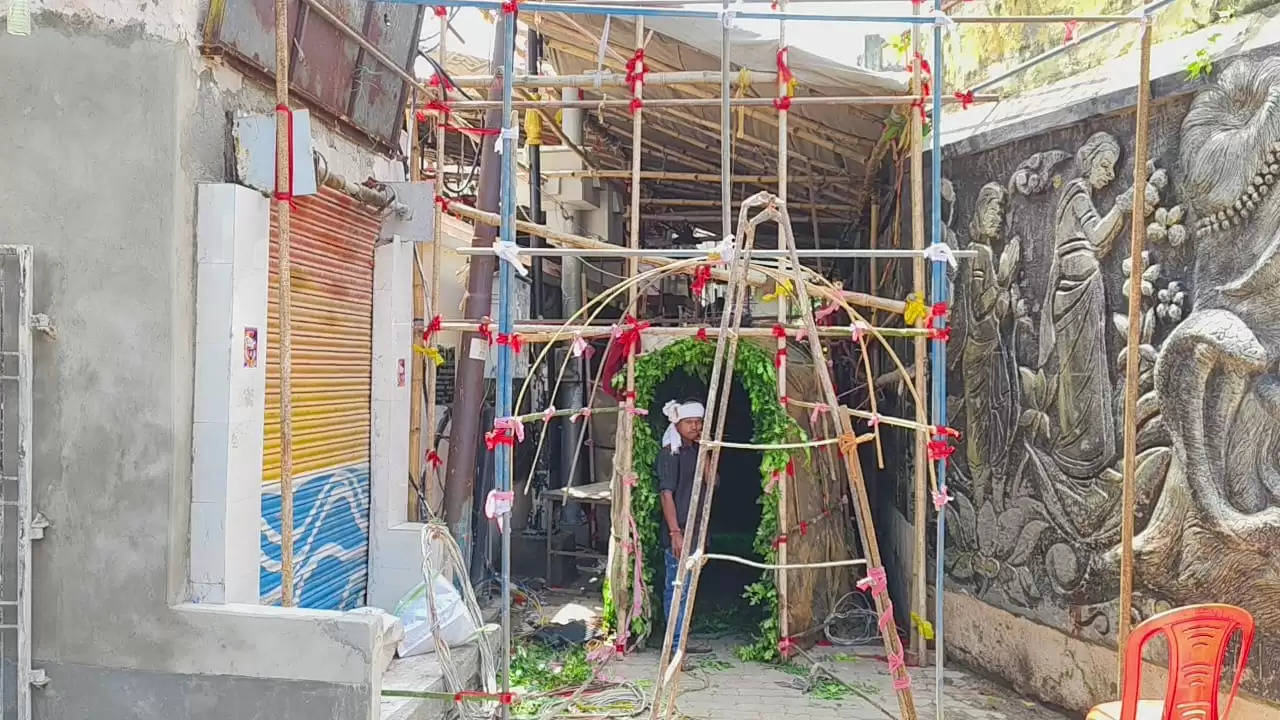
column 1198, row 638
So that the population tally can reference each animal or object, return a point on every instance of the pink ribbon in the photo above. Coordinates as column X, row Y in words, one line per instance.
column 857, row 332
column 497, row 504
column 514, row 425
column 813, row 414
column 897, row 662
column 876, row 580
column 773, row 481
column 584, row 413
column 941, row 498
column 616, row 332
column 874, row 420
column 549, row 413
column 637, row 580
column 827, row 311
column 886, row 617
column 581, row 347
column 630, row 479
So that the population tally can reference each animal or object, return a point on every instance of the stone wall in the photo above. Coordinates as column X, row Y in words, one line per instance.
column 1036, row 365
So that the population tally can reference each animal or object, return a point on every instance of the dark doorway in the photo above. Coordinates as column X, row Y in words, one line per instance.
column 735, row 509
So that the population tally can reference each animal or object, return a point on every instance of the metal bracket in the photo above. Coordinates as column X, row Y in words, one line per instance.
column 42, row 324
column 35, row 530
column 37, row 677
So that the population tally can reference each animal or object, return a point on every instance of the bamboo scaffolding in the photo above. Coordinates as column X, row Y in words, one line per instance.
column 701, row 203
column 434, row 305
column 552, row 331
column 1136, row 237
column 783, row 90
column 284, row 193
column 699, row 102
column 713, row 218
column 691, row 177
column 919, row 586
column 599, row 248
column 417, row 361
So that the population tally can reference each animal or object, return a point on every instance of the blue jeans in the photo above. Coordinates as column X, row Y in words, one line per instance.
column 673, row 567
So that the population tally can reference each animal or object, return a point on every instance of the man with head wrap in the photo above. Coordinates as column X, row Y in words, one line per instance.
column 675, row 467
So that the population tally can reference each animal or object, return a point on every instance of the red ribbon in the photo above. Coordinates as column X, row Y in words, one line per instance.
column 433, row 459
column 779, row 358
column 1069, row 31
column 780, row 540
column 510, row 7
column 966, row 99
column 512, row 340
column 636, row 70
column 701, row 276
column 286, row 195
column 786, row 646
column 440, row 81
column 702, row 335
column 779, row 331
column 940, row 450
column 442, row 11
column 443, row 202
column 505, row 698
column 485, row 332
column 438, row 106
column 785, row 76
column 943, row 334
column 782, row 104
column 636, row 104
column 918, row 104
column 944, row 431
column 924, row 65
column 498, row 436
column 939, row 310
column 432, row 328
column 791, row 468
column 804, row 528
column 630, row 338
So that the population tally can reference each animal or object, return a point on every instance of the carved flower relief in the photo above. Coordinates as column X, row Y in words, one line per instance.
column 1167, row 227
column 1171, row 303
column 1038, row 391
column 993, row 550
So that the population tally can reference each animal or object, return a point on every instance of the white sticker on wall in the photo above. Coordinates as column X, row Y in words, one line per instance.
column 479, row 349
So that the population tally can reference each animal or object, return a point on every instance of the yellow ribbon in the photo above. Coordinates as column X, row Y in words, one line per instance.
column 431, row 352
column 780, row 290
column 915, row 311
column 924, row 626
column 532, row 127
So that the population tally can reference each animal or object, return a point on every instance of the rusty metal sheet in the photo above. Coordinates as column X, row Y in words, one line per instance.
column 324, row 59
column 247, row 28
column 379, row 93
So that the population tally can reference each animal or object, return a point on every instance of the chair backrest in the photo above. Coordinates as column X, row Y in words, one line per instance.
column 1198, row 637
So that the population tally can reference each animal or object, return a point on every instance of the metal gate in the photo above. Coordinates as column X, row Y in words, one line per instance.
column 17, row 528
column 332, row 239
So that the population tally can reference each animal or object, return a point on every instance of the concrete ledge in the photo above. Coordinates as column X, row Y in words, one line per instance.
column 422, row 673
column 1049, row 665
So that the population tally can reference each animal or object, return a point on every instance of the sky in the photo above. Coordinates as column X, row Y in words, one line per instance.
column 841, row 42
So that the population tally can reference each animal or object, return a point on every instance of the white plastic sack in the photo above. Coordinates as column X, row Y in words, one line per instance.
column 456, row 626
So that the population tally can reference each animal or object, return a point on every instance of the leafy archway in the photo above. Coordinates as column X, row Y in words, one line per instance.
column 754, row 369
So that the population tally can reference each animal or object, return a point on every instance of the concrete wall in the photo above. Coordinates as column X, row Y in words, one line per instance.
column 1040, row 188
column 112, row 120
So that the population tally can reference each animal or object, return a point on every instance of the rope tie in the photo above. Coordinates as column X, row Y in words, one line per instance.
column 782, row 104
column 474, row 132
column 497, row 505
column 779, row 541
column 286, row 195
column 636, row 71
column 441, row 11
column 702, row 335
column 513, row 341
column 786, row 79
column 485, row 332
column 498, row 437
column 786, row 646
column 581, row 347
column 848, row 445
column 774, row 479
column 779, row 331
column 942, row 334
column 779, row 358
column 898, row 668
column 1069, row 29
column 432, row 328
column 433, row 459
column 940, row 450
column 443, row 202
column 941, row 499
column 701, row 276
column 510, row 7
column 583, row 414
column 966, row 99
column 813, row 414
column 512, row 424
column 549, row 413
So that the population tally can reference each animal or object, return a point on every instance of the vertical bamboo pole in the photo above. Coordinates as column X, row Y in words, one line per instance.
column 625, row 453
column 417, row 360
column 919, row 586
column 283, row 185
column 873, row 243
column 784, row 626
column 1136, row 237
column 433, row 307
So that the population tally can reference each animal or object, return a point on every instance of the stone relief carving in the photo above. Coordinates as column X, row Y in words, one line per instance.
column 1036, row 519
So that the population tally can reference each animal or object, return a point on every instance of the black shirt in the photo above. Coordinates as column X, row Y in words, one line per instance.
column 675, row 475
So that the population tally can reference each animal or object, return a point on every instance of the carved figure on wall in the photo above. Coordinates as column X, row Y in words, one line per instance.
column 989, row 390
column 1073, row 317
column 1215, row 531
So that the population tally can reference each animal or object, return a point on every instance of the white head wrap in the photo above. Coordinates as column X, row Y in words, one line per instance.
column 676, row 412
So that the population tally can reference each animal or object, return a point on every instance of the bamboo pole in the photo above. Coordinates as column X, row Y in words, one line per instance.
column 873, row 243
column 700, row 203
column 812, row 207
column 713, row 218
column 919, row 593
column 434, row 305
column 783, row 90
column 701, row 102
column 551, row 331
column 417, row 361
column 1136, row 237
column 284, row 185
column 569, row 240
column 664, row 176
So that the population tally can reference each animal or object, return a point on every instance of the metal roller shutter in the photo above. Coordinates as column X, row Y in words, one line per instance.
column 332, row 239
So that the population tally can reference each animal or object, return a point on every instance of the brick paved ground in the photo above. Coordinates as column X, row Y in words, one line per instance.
column 721, row 687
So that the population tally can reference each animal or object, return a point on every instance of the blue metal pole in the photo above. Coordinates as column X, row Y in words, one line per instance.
column 938, row 292
column 505, row 357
